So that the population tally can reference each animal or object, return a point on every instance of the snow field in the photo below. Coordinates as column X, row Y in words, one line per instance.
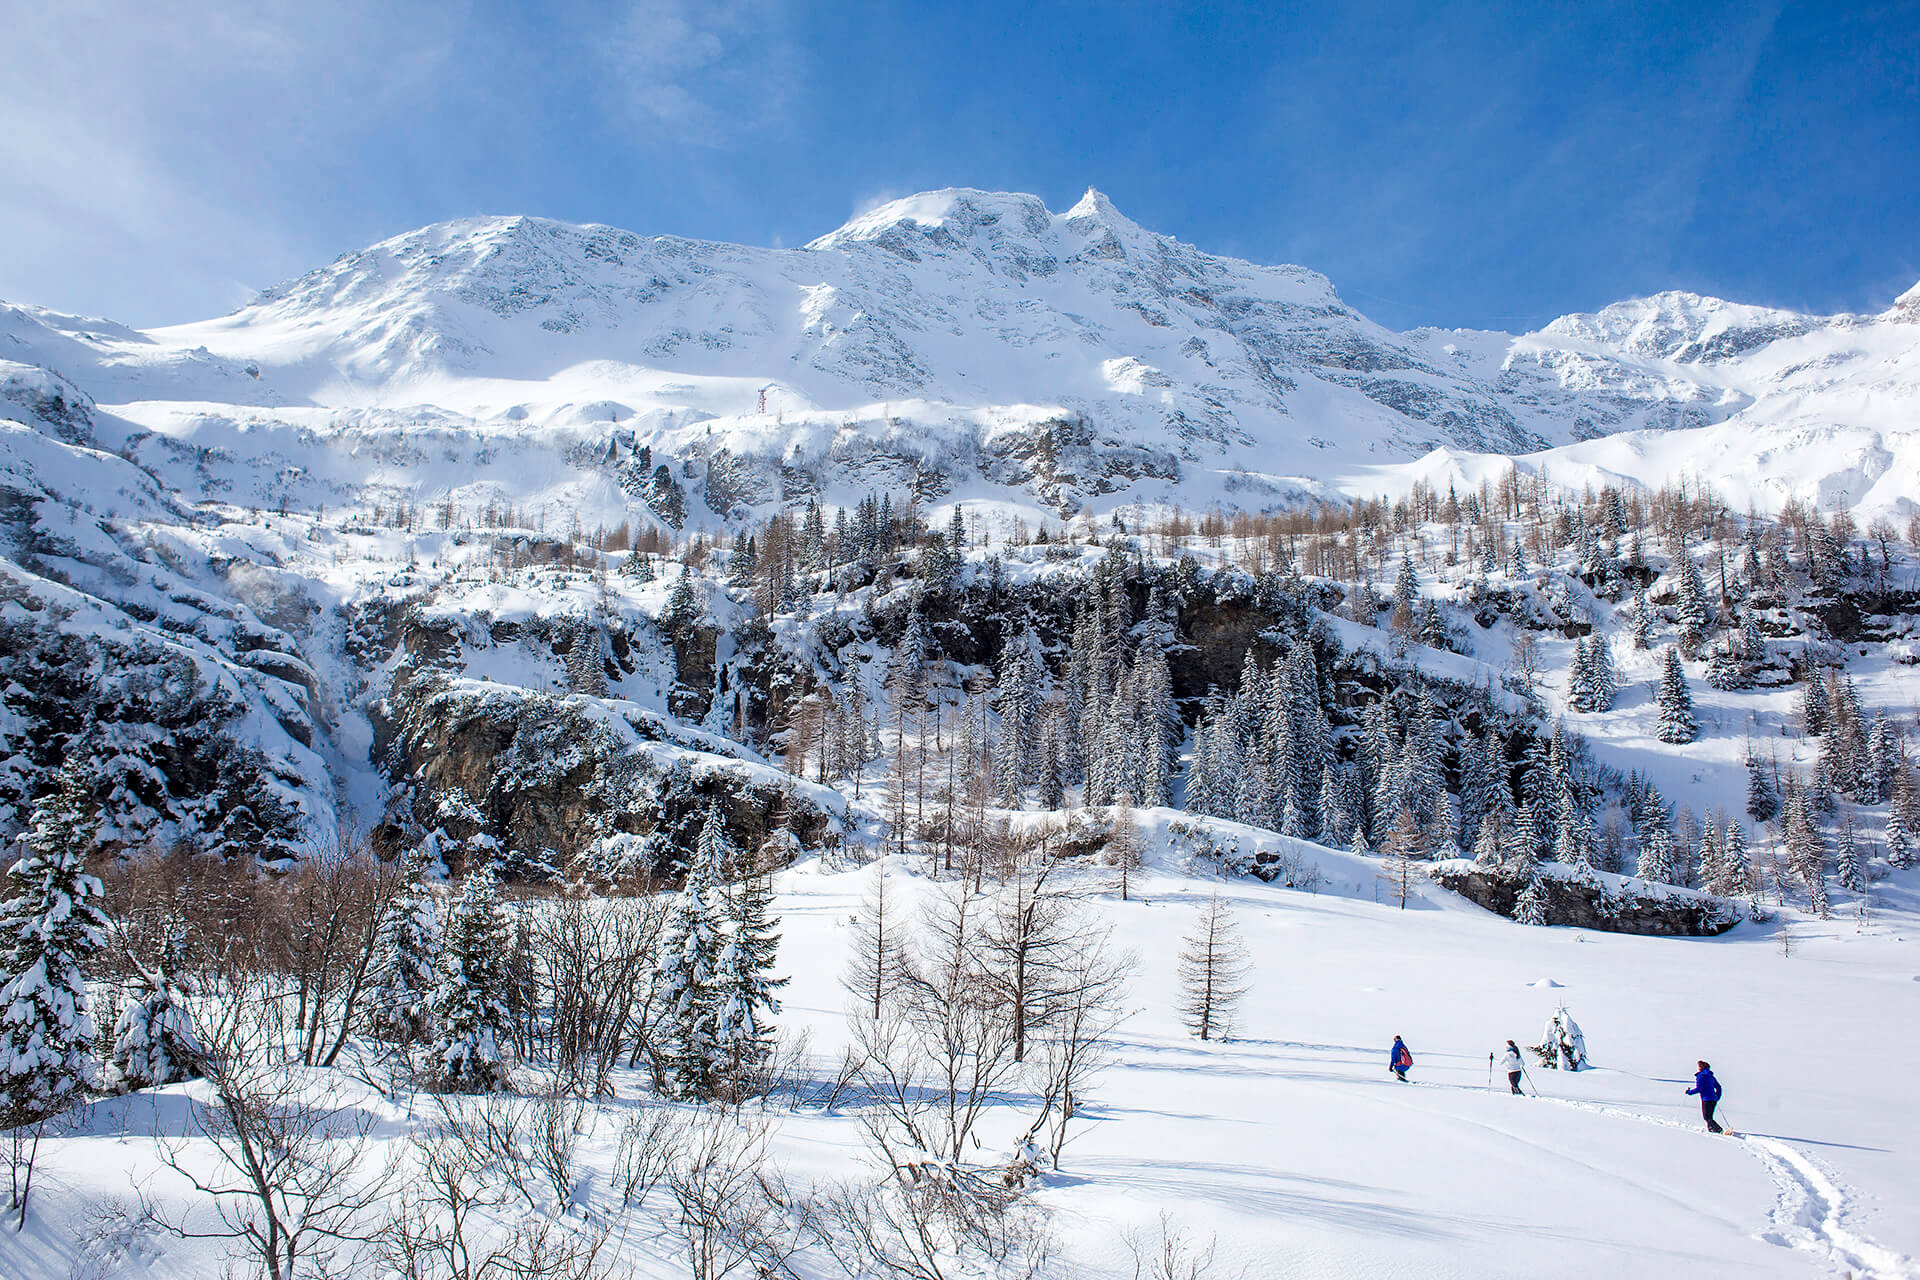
column 1290, row 1142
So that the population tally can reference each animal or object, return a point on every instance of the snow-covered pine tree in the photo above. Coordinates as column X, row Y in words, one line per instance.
column 1214, row 970
column 1847, row 868
column 745, row 986
column 470, row 1013
column 1489, row 850
column 1695, row 611
column 689, row 959
column 154, row 1043
column 1019, row 707
column 1476, row 784
column 1579, row 679
column 1762, row 802
column 682, row 611
column 1677, row 724
column 1903, row 819
column 637, row 567
column 1405, row 621
column 1656, row 840
column 1724, row 669
column 1883, row 760
column 406, row 962
column 1807, row 851
column 1736, row 867
column 1814, row 705
column 1642, row 620
column 1335, row 824
column 1530, row 908
column 50, row 928
column 1202, row 789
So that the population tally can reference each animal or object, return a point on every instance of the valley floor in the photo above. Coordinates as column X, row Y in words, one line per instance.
column 1292, row 1145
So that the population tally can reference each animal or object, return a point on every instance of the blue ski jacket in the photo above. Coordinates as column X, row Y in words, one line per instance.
column 1398, row 1058
column 1706, row 1086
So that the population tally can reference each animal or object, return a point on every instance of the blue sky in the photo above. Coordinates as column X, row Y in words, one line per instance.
column 1484, row 165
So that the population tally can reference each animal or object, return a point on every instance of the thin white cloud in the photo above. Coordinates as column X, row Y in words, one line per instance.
column 704, row 73
column 151, row 151
column 868, row 203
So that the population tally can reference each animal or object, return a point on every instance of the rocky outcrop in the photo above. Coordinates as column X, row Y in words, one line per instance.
column 1604, row 902
column 550, row 776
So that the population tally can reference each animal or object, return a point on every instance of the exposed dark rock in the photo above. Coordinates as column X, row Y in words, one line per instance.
column 1606, row 903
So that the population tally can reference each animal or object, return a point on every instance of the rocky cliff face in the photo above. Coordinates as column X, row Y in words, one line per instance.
column 1606, row 903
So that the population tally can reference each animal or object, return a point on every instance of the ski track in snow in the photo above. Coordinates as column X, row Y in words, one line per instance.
column 1811, row 1206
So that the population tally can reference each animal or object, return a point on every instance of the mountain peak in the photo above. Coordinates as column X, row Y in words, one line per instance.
column 958, row 211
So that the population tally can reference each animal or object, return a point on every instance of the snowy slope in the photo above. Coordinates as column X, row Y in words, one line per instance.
column 1288, row 1145
column 961, row 341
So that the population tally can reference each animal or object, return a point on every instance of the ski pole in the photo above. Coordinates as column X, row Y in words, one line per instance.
column 1529, row 1076
column 1489, row 1071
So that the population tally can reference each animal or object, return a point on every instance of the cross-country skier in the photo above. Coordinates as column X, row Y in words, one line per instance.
column 1511, row 1064
column 1400, row 1060
column 1709, row 1090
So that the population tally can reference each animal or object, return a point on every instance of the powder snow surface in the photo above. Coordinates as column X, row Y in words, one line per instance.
column 1292, row 1144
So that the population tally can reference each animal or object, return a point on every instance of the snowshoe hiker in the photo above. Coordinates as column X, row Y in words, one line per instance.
column 1511, row 1064
column 1400, row 1060
column 1709, row 1090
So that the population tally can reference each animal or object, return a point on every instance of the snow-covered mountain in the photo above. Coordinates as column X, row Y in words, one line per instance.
column 209, row 533
column 961, row 343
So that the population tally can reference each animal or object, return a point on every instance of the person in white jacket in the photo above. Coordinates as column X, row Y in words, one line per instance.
column 1513, row 1066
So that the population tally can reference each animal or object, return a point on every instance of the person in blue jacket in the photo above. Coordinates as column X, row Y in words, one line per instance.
column 1709, row 1090
column 1400, row 1060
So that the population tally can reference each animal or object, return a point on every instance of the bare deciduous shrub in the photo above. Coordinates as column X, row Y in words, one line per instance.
column 733, row 1212
column 1169, row 1254
column 293, row 1182
column 648, row 1139
column 445, row 1226
column 931, row 1229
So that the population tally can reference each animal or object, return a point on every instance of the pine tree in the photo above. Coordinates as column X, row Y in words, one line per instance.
column 1903, row 819
column 1814, row 705
column 1695, row 612
column 50, row 928
column 1676, row 703
column 745, row 987
column 638, row 567
column 690, row 954
column 1656, row 840
column 1489, row 851
column 682, row 612
column 1736, row 868
column 1642, row 620
column 154, row 1043
column 1762, row 802
column 470, row 1012
column 1883, row 760
column 1214, row 970
column 1579, row 679
column 406, row 962
column 1723, row 668
column 1530, row 908
column 1406, row 599
column 1847, row 868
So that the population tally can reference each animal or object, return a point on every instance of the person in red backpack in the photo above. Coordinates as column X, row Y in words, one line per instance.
column 1400, row 1060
